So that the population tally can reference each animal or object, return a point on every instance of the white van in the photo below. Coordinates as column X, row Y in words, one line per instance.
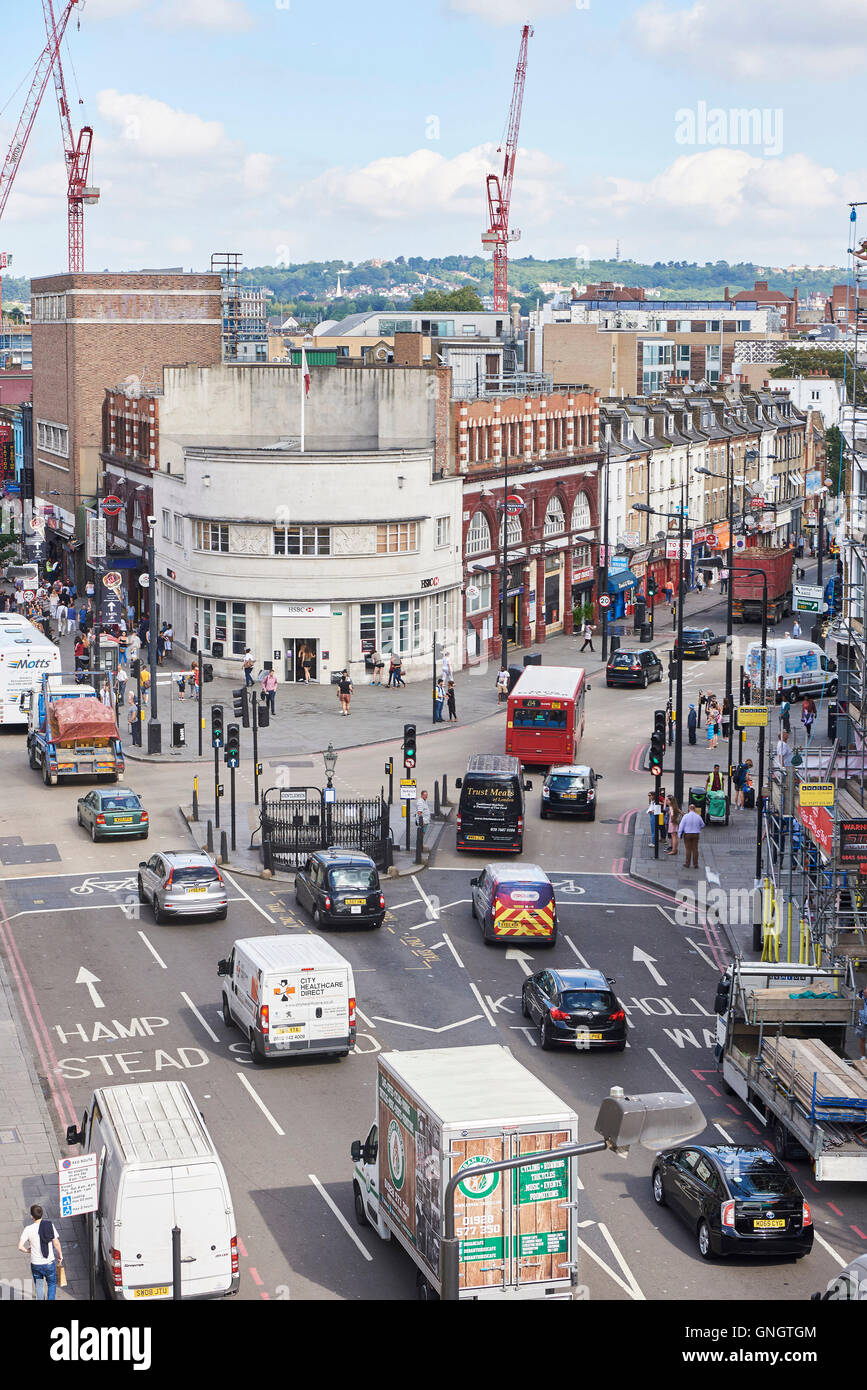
column 26, row 655
column 793, row 668
column 289, row 994
column 158, row 1168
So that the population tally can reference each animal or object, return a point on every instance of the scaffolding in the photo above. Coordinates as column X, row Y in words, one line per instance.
column 227, row 264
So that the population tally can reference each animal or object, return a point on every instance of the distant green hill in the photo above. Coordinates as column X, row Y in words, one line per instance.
column 15, row 287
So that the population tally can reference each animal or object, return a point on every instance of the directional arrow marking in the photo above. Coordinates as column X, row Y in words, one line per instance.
column 650, row 962
column 521, row 957
column 85, row 977
column 422, row 1028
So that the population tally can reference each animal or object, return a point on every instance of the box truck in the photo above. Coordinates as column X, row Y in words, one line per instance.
column 445, row 1110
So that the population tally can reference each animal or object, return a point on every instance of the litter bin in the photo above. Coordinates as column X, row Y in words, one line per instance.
column 646, row 632
column 639, row 615
column 697, row 795
column 515, row 674
column 179, row 733
column 533, row 659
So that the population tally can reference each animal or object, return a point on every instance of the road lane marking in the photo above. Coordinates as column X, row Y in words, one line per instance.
column 432, row 909
column 704, row 957
column 394, row 907
column 483, row 1006
column 446, row 941
column 86, row 977
column 85, row 907
column 638, row 954
column 521, row 957
column 602, row 1265
column 726, row 1137
column 245, row 894
column 340, row 1217
column 207, row 1027
column 830, row 1249
column 576, row 952
column 423, row 1027
column 159, row 960
column 679, row 1084
column 363, row 1017
column 261, row 1104
column 636, row 1289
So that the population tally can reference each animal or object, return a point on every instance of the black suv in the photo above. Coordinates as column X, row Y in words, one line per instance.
column 633, row 668
column 700, row 642
column 577, row 1007
column 340, row 887
column 570, row 790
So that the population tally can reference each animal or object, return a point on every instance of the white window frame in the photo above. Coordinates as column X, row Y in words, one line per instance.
column 443, row 532
column 179, row 529
column 167, row 524
column 481, row 604
column 204, row 535
column 478, row 535
column 555, row 517
column 580, row 512
column 53, row 438
column 307, row 532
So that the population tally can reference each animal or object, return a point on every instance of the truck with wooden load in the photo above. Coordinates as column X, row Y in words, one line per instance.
column 441, row 1111
column 748, row 591
column 72, row 733
column 781, row 1038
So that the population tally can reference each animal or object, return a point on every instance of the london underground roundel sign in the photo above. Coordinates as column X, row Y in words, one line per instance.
column 111, row 505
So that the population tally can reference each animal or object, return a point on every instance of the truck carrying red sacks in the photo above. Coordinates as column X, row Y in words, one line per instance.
column 84, row 719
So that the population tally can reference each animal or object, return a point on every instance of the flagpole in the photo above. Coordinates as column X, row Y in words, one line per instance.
column 303, row 393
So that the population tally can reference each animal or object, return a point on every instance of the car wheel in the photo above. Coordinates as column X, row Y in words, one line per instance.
column 316, row 917
column 256, row 1051
column 158, row 912
column 78, row 815
column 610, row 684
column 358, row 1202
column 619, row 1047
column 592, row 815
column 645, row 682
column 221, row 915
column 658, row 1190
column 780, row 1139
column 832, row 690
column 704, row 1246
column 93, row 831
column 543, row 815
column 525, row 1012
column 141, row 891
column 144, row 836
column 227, row 1013
column 46, row 775
column 544, row 1035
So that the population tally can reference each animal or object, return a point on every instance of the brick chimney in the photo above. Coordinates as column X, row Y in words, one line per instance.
column 408, row 350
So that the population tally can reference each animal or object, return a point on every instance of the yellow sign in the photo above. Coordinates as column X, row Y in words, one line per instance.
column 816, row 794
column 755, row 716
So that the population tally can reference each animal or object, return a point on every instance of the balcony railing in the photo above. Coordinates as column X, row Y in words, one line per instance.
column 503, row 384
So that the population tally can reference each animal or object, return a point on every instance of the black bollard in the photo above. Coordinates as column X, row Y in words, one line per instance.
column 445, row 795
column 419, row 843
column 224, row 847
column 195, row 802
column 210, row 840
column 267, row 856
column 436, row 808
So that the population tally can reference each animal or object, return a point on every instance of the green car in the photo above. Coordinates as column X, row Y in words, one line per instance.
column 115, row 813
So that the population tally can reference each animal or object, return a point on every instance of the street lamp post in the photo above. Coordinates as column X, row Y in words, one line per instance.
column 154, row 735
column 504, row 577
column 329, row 758
column 605, row 555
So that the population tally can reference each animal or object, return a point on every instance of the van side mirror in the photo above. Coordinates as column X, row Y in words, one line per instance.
column 721, row 1001
column 600, row 777
column 528, row 786
column 459, row 781
column 355, row 1150
column 223, row 966
column 142, row 863
column 588, row 687
column 74, row 1135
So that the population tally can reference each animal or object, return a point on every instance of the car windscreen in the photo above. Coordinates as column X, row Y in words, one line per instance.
column 120, row 803
column 568, row 782
column 753, row 1176
column 360, row 878
column 598, row 1000
column 693, row 634
column 194, row 873
column 624, row 659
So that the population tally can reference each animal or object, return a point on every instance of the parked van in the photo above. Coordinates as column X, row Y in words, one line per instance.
column 158, row 1168
column 491, row 808
column 793, row 668
column 289, row 994
column 515, row 900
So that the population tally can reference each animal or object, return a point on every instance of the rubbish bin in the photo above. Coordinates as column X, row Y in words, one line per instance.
column 179, row 733
column 646, row 632
column 639, row 615
column 533, row 659
column 515, row 674
column 697, row 796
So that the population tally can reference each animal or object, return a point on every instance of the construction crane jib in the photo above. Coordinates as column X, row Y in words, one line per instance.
column 499, row 187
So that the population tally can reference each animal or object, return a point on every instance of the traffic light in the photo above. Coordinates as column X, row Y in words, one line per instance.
column 409, row 745
column 657, row 743
column 241, row 706
column 651, row 586
column 216, row 726
column 233, row 745
column 207, row 672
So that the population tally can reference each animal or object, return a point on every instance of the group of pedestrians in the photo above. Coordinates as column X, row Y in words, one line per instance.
column 676, row 826
column 395, row 670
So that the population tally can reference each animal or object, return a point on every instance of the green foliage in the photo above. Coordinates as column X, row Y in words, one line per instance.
column 800, row 361
column 10, row 545
column 836, row 454
column 464, row 300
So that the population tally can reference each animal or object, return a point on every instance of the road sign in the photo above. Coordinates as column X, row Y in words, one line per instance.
column 144, row 580
column 293, row 794
column 111, row 505
column 753, row 716
column 78, row 1184
column 816, row 794
column 808, row 598
column 604, row 601
column 407, row 789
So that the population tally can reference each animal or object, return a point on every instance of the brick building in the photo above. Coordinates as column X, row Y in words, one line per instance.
column 89, row 332
column 770, row 299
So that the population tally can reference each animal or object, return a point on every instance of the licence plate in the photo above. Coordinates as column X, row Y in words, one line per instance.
column 197, row 890
column 123, row 820
column 282, row 1032
column 568, row 796
column 591, row 1037
column 353, row 901
column 160, row 1291
column 475, row 837
column 769, row 1225
column 356, row 910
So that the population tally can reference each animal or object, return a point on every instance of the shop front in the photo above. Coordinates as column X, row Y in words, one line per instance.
column 622, row 587
column 583, row 580
column 302, row 643
column 553, row 598
column 512, row 605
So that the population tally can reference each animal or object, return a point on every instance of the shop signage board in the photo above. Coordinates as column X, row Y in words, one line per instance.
column 672, row 550
column 618, row 563
column 407, row 789
column 853, row 842
column 816, row 794
column 819, row 825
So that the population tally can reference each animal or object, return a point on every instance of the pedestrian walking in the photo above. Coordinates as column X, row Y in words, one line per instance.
column 653, row 812
column 786, row 716
column 439, row 701
column 378, row 665
column 742, row 772
column 808, row 716
column 249, row 663
column 41, row 1241
column 168, row 638
column 674, row 817
column 120, row 687
column 723, row 583
column 502, row 686
column 305, row 656
column 446, row 671
column 714, row 781
column 161, row 644
column 422, row 812
column 82, row 619
column 669, row 592
column 393, row 668
column 691, row 724
column 269, row 689
column 62, row 611
column 399, row 681
column 132, row 718
column 587, row 630
column 344, row 692
column 796, row 628
column 450, row 701
column 181, row 679
column 691, row 826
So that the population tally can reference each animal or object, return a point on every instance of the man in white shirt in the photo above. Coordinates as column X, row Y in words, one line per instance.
column 691, row 826
column 784, row 752
column 41, row 1241
column 422, row 813
column 446, row 672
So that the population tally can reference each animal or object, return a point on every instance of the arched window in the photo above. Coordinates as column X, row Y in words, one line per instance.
column 581, row 513
column 479, row 535
column 555, row 521
column 516, row 535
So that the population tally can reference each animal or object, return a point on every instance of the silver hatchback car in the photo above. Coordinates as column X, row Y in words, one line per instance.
column 179, row 883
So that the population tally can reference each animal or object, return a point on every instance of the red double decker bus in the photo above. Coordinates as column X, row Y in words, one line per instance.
column 545, row 715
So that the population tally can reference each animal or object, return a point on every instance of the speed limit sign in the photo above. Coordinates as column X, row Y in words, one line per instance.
column 604, row 601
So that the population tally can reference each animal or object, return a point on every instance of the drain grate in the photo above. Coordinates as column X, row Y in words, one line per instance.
column 9, row 1136
column 29, row 854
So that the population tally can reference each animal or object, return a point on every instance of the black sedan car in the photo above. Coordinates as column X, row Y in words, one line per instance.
column 700, row 642
column 340, row 888
column 576, row 1007
column 735, row 1198
column 570, row 790
column 633, row 668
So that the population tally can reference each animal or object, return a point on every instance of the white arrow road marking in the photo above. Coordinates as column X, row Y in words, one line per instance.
column 521, row 957
column 576, row 952
column 423, row 1028
column 497, row 1006
column 261, row 1104
column 649, row 961
column 636, row 1291
column 608, row 1270
column 432, row 909
column 339, row 1214
column 85, row 977
column 207, row 1027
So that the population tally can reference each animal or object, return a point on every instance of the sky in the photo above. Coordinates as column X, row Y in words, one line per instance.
column 293, row 130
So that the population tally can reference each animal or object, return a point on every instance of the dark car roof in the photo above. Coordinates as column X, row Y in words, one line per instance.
column 580, row 979
column 344, row 856
column 500, row 764
column 721, row 1153
column 569, row 770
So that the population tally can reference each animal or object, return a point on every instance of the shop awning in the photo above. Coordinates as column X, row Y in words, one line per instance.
column 623, row 579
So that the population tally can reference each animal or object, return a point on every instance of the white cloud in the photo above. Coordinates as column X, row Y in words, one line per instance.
column 258, row 171
column 154, row 129
column 516, row 11
column 773, row 40
column 222, row 15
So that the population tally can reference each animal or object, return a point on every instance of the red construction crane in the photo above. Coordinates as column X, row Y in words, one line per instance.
column 77, row 154
column 499, row 188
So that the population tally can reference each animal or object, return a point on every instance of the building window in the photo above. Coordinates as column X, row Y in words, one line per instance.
column 179, row 529
column 53, row 438
column 443, row 531
column 516, row 535
column 555, row 520
column 239, row 629
column 480, row 602
column 478, row 535
column 368, row 628
column 167, row 524
column 302, row 540
column 581, row 513
column 396, row 537
column 386, row 627
column 48, row 308
column 683, row 354
column 211, row 535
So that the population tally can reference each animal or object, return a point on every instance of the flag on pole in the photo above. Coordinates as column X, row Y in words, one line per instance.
column 305, row 371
